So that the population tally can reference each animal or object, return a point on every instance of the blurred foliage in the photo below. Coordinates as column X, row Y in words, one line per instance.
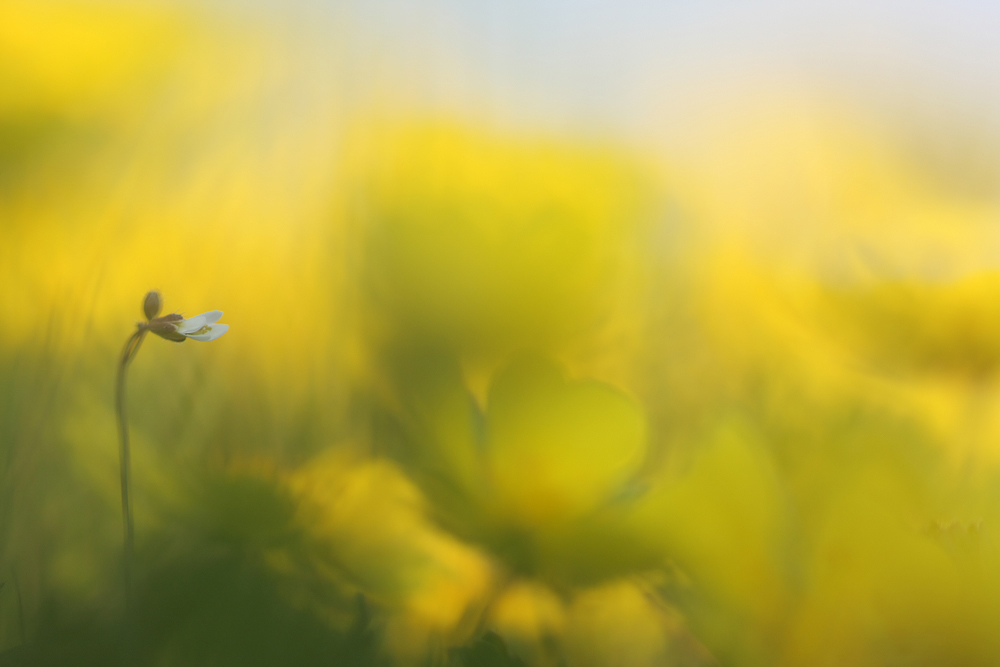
column 490, row 397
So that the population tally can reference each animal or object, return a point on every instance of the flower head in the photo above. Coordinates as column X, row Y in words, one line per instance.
column 200, row 327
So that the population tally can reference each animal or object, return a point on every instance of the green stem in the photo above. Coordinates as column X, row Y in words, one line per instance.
column 20, row 607
column 125, row 461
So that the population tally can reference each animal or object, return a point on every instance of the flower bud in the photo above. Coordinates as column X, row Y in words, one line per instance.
column 152, row 304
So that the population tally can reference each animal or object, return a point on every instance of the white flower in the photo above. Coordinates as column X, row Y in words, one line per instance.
column 200, row 327
column 203, row 327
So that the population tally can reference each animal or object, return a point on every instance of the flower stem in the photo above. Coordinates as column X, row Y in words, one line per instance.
column 125, row 462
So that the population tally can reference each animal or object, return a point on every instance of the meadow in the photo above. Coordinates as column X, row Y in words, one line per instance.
column 491, row 394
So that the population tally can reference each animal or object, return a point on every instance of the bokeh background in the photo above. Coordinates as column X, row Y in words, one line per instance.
column 575, row 334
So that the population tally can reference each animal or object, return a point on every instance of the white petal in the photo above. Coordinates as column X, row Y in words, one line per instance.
column 214, row 331
column 198, row 321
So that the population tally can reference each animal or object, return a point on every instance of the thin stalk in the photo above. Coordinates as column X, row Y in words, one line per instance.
column 20, row 607
column 125, row 461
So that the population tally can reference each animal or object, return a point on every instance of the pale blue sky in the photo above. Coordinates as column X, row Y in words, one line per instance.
column 627, row 65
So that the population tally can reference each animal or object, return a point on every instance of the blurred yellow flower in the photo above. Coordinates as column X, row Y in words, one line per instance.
column 369, row 523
